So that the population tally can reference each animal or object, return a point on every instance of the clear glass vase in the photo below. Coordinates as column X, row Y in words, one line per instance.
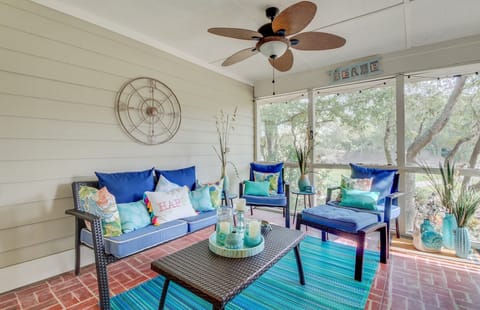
column 224, row 224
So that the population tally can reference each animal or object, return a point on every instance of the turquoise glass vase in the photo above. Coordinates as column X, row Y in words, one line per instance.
column 462, row 242
column 448, row 227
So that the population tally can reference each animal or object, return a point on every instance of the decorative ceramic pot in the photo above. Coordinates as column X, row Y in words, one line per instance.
column 449, row 225
column 426, row 226
column 462, row 242
column 432, row 240
column 304, row 183
column 234, row 240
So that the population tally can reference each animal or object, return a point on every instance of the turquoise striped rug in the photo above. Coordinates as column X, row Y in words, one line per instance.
column 328, row 268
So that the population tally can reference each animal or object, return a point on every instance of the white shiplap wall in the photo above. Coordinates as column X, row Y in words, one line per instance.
column 58, row 81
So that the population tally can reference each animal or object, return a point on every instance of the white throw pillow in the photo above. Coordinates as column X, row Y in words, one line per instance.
column 164, row 185
column 169, row 206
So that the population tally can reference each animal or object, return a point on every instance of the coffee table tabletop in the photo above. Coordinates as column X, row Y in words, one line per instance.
column 219, row 279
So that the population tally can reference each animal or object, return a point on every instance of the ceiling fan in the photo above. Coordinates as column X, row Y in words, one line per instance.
column 273, row 39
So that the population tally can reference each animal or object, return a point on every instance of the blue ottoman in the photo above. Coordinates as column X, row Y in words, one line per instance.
column 346, row 223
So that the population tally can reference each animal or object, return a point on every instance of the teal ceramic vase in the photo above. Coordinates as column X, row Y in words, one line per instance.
column 226, row 185
column 304, row 183
column 462, row 242
column 426, row 226
column 448, row 227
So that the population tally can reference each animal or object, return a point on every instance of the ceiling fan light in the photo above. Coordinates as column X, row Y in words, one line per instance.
column 273, row 49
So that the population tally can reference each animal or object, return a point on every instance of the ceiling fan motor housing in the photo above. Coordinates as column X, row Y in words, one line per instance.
column 273, row 46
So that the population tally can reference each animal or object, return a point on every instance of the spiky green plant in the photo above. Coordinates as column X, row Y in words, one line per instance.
column 445, row 190
column 465, row 206
column 303, row 154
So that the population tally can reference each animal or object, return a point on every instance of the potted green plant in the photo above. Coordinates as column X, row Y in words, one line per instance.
column 303, row 154
column 445, row 190
column 464, row 209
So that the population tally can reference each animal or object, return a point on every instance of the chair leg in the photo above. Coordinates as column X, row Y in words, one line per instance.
column 359, row 256
column 251, row 210
column 324, row 236
column 397, row 229
column 384, row 246
column 77, row 246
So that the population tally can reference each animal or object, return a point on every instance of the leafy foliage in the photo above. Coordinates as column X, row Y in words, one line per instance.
column 465, row 207
column 445, row 190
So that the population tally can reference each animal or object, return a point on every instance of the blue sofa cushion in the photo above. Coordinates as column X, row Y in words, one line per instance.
column 268, row 168
column 383, row 180
column 380, row 209
column 339, row 218
column 274, row 201
column 140, row 239
column 127, row 186
column 202, row 220
column 182, row 177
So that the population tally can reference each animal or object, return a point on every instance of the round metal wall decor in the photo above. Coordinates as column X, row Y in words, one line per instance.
column 148, row 111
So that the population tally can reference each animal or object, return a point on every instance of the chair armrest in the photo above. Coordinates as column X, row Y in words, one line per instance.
column 82, row 215
column 387, row 212
column 330, row 191
column 240, row 189
column 395, row 195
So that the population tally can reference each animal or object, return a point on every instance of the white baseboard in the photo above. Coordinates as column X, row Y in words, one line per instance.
column 43, row 268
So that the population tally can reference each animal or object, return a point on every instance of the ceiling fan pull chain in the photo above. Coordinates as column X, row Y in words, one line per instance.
column 273, row 79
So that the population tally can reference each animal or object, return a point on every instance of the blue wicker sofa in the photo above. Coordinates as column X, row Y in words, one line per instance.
column 110, row 249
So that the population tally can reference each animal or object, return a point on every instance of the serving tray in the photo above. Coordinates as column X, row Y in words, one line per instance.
column 234, row 253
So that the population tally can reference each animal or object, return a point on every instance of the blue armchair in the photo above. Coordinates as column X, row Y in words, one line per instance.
column 384, row 182
column 274, row 194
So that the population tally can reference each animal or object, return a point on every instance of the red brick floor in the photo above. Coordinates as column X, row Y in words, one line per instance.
column 408, row 281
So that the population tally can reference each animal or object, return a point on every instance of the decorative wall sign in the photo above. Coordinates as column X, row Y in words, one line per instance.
column 148, row 111
column 356, row 71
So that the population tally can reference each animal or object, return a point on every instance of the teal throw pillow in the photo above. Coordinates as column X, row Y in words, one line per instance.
column 359, row 199
column 200, row 199
column 257, row 188
column 215, row 189
column 133, row 215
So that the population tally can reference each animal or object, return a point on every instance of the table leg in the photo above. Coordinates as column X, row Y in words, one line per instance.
column 299, row 265
column 295, row 212
column 164, row 294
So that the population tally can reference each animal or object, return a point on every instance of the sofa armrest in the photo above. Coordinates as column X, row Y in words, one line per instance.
column 330, row 191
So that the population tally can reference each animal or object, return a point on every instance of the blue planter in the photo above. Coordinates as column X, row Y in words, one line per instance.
column 448, row 227
column 462, row 242
column 304, row 183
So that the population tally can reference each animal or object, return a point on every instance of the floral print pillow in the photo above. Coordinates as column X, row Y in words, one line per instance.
column 101, row 203
column 216, row 191
column 271, row 177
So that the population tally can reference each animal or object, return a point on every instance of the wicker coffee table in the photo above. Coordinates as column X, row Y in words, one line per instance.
column 219, row 279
